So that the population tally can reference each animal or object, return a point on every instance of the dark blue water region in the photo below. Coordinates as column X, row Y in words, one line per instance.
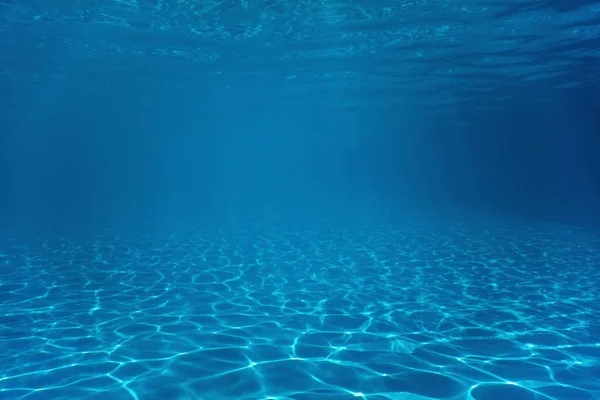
column 409, row 310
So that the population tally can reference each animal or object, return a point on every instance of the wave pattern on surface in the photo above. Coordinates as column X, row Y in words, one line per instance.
column 414, row 312
column 438, row 53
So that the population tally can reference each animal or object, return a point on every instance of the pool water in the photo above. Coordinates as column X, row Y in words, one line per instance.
column 411, row 310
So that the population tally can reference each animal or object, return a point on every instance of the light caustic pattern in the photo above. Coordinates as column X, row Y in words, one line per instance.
column 416, row 312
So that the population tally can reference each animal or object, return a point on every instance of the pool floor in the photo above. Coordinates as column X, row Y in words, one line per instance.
column 406, row 311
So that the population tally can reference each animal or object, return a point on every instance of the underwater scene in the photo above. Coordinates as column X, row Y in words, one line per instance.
column 300, row 200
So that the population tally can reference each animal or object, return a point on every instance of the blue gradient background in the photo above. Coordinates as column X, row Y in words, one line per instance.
column 393, row 157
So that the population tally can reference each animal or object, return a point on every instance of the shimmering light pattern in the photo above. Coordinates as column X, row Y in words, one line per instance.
column 411, row 310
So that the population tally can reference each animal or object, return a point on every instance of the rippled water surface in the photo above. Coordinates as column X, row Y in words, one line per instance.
column 437, row 54
column 413, row 310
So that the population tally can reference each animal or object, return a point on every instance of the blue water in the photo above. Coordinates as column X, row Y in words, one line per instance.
column 299, row 199
column 413, row 309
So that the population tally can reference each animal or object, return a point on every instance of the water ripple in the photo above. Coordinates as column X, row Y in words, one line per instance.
column 256, row 35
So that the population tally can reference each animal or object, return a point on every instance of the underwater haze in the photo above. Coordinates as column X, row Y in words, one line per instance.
column 312, row 199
